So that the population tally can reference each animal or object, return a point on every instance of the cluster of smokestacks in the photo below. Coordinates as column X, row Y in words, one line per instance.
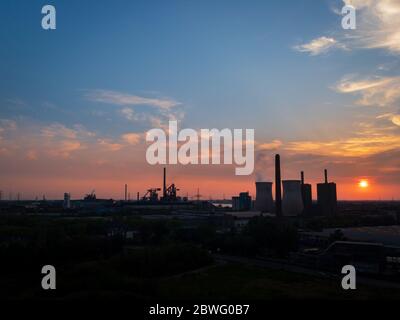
column 297, row 195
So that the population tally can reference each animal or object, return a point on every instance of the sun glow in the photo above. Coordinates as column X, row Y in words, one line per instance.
column 363, row 184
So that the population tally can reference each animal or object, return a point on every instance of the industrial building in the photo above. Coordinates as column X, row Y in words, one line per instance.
column 242, row 202
column 67, row 201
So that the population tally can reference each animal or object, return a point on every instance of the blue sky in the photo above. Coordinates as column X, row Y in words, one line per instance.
column 224, row 61
column 234, row 64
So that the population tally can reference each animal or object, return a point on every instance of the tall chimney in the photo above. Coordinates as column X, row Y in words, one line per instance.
column 137, row 196
column 302, row 177
column 278, row 190
column 165, row 183
column 326, row 175
column 126, row 192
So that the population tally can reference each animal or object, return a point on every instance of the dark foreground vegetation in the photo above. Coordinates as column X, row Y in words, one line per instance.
column 130, row 257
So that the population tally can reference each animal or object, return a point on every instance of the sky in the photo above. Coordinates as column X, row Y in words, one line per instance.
column 76, row 102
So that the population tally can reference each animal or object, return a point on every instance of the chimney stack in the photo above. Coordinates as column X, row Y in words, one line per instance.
column 165, row 184
column 302, row 177
column 126, row 192
column 326, row 175
column 278, row 190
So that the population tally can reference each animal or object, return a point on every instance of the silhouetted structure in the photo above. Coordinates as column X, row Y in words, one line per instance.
column 151, row 195
column 306, row 194
column 165, row 183
column 89, row 197
column 278, row 191
column 264, row 201
column 170, row 192
column 292, row 203
column 327, row 198
column 67, row 201
column 126, row 192
column 241, row 203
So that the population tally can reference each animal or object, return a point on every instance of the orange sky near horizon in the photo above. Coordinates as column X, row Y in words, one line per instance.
column 54, row 188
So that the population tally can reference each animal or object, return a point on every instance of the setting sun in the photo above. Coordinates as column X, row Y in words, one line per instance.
column 363, row 184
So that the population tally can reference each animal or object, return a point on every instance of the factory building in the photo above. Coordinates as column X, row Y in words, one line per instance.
column 242, row 202
column 292, row 202
column 327, row 198
column 67, row 201
column 264, row 201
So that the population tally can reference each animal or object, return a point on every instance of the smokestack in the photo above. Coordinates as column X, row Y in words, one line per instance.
column 165, row 183
column 278, row 191
column 302, row 177
column 326, row 175
column 137, row 196
column 126, row 192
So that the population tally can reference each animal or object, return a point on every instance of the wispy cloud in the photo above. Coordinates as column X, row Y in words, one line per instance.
column 64, row 148
column 7, row 124
column 319, row 45
column 57, row 130
column 161, row 109
column 378, row 27
column 131, row 138
column 110, row 145
column 129, row 114
column 376, row 91
column 378, row 24
column 273, row 145
column 394, row 118
column 369, row 137
column 124, row 99
column 351, row 147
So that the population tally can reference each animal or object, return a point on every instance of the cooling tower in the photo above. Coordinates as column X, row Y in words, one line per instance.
column 264, row 201
column 327, row 197
column 306, row 192
column 292, row 203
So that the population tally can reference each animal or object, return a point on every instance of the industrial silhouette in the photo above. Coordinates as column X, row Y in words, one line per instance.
column 297, row 196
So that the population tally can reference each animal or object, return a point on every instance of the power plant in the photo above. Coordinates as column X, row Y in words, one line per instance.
column 264, row 201
column 292, row 203
column 297, row 196
column 306, row 194
column 326, row 195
